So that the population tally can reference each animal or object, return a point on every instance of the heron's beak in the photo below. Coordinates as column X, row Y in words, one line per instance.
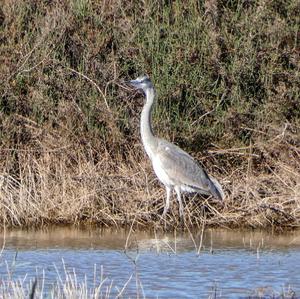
column 133, row 83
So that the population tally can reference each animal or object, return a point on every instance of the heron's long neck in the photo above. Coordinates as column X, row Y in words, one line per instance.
column 146, row 128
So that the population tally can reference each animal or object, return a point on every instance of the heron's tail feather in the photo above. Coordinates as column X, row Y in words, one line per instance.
column 216, row 188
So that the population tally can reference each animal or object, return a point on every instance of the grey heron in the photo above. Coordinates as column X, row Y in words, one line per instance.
column 175, row 168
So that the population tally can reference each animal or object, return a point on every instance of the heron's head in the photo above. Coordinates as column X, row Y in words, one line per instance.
column 142, row 82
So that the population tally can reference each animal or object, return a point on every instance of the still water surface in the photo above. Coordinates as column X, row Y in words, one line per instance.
column 229, row 264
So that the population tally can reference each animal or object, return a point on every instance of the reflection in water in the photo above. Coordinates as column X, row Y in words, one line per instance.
column 168, row 265
column 70, row 237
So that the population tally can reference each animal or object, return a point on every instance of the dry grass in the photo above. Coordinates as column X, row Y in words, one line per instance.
column 61, row 186
column 227, row 75
column 68, row 285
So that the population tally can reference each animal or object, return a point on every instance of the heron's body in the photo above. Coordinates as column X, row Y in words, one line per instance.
column 175, row 168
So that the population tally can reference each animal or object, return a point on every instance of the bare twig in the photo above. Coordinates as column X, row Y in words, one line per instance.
column 91, row 81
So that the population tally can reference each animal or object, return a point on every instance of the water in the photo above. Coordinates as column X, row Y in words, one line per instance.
column 229, row 264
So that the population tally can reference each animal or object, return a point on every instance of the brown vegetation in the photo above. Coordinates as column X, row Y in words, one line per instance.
column 227, row 76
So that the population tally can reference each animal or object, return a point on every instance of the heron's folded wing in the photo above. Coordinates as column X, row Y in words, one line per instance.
column 181, row 167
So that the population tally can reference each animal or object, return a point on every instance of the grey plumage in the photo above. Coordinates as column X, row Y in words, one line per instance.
column 175, row 168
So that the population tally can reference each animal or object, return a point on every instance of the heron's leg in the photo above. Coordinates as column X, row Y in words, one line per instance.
column 167, row 204
column 181, row 213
